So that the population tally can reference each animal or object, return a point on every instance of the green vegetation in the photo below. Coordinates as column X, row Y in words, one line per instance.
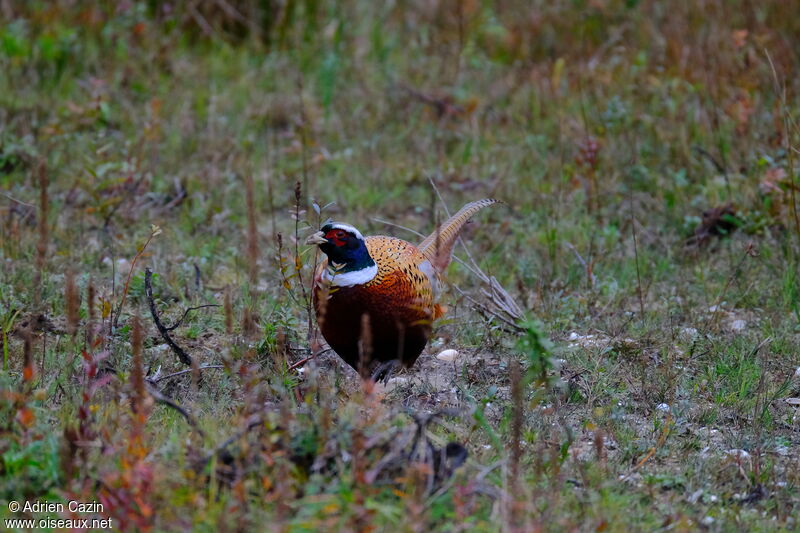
column 647, row 152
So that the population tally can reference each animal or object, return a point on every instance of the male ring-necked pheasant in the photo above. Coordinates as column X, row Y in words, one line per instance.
column 376, row 297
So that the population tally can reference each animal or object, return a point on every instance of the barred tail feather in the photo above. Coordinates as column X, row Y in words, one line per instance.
column 438, row 246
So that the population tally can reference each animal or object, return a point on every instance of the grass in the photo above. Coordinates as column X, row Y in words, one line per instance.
column 649, row 393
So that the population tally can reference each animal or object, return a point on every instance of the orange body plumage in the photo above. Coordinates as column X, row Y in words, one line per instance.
column 376, row 297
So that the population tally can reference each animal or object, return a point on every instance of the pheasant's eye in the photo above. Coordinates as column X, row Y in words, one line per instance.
column 337, row 236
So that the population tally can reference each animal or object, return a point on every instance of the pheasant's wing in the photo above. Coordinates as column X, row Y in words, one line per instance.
column 404, row 272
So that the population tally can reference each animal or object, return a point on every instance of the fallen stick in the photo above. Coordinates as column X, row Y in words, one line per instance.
column 148, row 287
column 163, row 400
column 181, row 372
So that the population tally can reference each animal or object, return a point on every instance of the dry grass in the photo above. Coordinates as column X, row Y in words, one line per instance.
column 647, row 151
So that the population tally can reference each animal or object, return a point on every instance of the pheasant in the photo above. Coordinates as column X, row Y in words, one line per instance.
column 376, row 297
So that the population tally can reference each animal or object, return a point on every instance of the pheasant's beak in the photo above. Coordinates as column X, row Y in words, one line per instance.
column 316, row 238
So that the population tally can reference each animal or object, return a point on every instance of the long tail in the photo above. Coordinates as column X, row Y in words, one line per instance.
column 438, row 246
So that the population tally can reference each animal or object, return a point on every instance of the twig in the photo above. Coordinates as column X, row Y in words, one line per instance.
column 154, row 231
column 482, row 308
column 418, row 234
column 160, row 398
column 662, row 438
column 283, row 268
column 760, row 345
column 20, row 202
column 443, row 106
column 231, row 11
column 399, row 441
column 498, row 295
column 500, row 298
column 298, row 196
column 253, row 422
column 197, row 282
column 148, row 287
column 485, row 471
column 636, row 255
column 200, row 20
column 181, row 372
column 586, row 267
column 749, row 251
column 179, row 322
column 305, row 360
column 708, row 155
column 477, row 271
column 302, row 361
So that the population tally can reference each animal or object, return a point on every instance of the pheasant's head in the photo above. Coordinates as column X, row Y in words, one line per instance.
column 347, row 252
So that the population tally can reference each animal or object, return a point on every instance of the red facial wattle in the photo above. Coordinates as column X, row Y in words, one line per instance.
column 336, row 236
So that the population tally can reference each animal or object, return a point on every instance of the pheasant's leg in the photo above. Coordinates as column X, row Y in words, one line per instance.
column 384, row 371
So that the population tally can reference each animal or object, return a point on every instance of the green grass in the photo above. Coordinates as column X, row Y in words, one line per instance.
column 607, row 128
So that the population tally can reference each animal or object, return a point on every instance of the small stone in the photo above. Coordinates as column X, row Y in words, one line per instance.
column 797, row 372
column 793, row 401
column 585, row 341
column 633, row 478
column 663, row 407
column 688, row 334
column 447, row 355
column 395, row 382
column 155, row 375
column 738, row 325
column 741, row 455
column 159, row 348
column 695, row 496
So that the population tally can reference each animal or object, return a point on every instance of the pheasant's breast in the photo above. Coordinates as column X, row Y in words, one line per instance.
column 398, row 300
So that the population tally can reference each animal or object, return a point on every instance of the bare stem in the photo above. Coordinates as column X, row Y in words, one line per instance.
column 181, row 372
column 154, row 231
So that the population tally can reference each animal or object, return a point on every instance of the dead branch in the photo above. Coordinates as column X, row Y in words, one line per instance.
column 444, row 106
column 253, row 422
column 148, row 287
column 179, row 322
column 481, row 308
column 719, row 167
column 305, row 360
column 160, row 398
column 20, row 202
column 155, row 380
column 496, row 294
